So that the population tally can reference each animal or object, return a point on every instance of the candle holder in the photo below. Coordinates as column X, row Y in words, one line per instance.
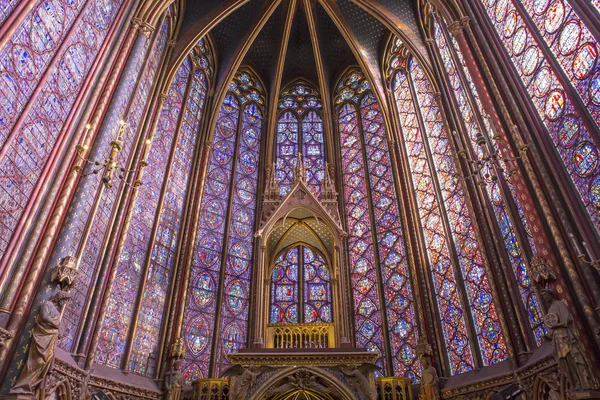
column 490, row 163
column 110, row 165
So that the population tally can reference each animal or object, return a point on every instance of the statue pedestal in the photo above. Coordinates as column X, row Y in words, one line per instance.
column 584, row 394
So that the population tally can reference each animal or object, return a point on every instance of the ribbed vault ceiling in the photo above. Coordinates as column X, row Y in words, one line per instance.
column 288, row 39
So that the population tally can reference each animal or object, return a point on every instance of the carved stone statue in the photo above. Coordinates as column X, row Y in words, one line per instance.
column 246, row 382
column 430, row 383
column 430, row 388
column 43, row 345
column 291, row 384
column 173, row 382
column 317, row 387
column 359, row 381
column 566, row 346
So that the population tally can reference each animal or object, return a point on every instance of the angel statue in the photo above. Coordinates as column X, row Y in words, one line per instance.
column 358, row 378
column 246, row 379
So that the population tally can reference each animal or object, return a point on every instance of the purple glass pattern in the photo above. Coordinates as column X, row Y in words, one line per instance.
column 313, row 150
column 368, row 320
column 479, row 293
column 284, row 288
column 29, row 52
column 84, row 198
column 238, row 269
column 571, row 44
column 317, row 288
column 145, row 346
column 287, row 151
column 6, row 7
column 35, row 139
column 206, row 264
column 124, row 292
column 570, row 136
column 493, row 190
column 436, row 242
column 302, row 103
column 401, row 319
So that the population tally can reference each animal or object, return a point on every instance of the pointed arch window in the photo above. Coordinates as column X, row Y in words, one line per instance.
column 300, row 129
column 556, row 57
column 468, row 315
column 130, row 337
column 501, row 191
column 216, row 312
column 300, row 288
column 379, row 269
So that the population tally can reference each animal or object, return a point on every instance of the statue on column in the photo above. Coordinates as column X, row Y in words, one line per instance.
column 565, row 344
column 42, row 348
column 173, row 378
column 430, row 383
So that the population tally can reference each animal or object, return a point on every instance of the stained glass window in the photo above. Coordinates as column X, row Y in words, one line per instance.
column 449, row 234
column 450, row 57
column 224, row 234
column 145, row 345
column 234, row 311
column 300, row 288
column 365, row 155
column 5, row 9
column 300, row 129
column 368, row 320
column 284, row 288
column 90, row 185
column 115, row 326
column 151, row 242
column 38, row 41
column 576, row 51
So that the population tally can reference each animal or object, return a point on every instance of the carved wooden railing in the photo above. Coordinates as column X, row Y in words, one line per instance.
column 211, row 389
column 394, row 388
column 300, row 336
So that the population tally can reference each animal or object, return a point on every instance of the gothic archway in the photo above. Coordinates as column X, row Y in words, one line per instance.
column 301, row 394
column 304, row 384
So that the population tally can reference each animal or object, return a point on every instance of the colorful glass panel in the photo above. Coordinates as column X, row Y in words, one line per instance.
column 238, row 269
column 29, row 52
column 317, row 288
column 206, row 263
column 572, row 45
column 493, row 190
column 34, row 141
column 300, row 128
column 145, row 346
column 287, row 151
column 562, row 119
column 401, row 319
column 368, row 320
column 284, row 288
column 437, row 245
column 6, row 7
column 85, row 197
column 313, row 150
column 479, row 293
column 115, row 326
